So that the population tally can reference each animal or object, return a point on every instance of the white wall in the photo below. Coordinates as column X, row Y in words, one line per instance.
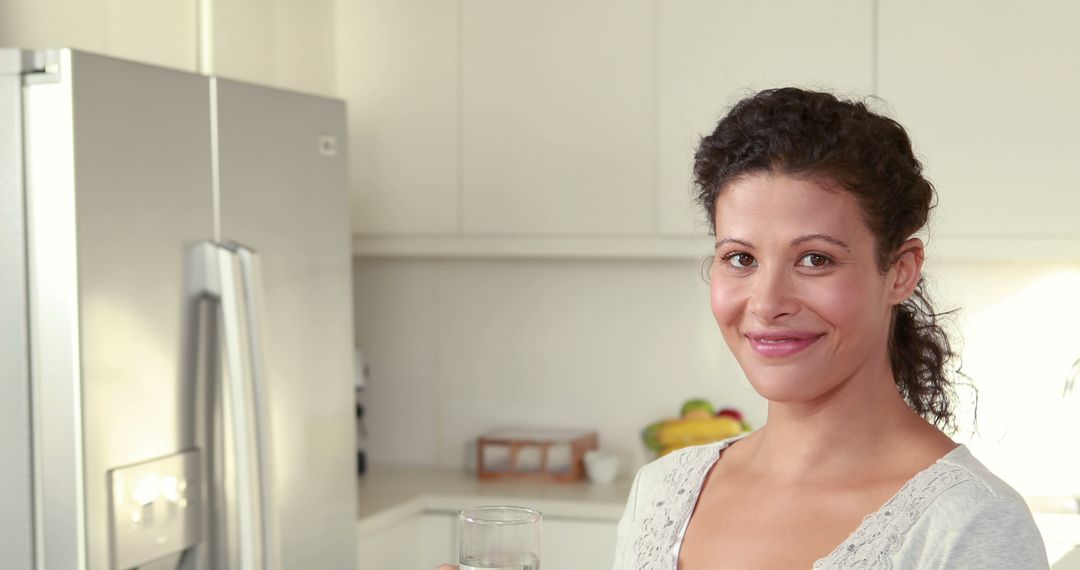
column 1020, row 324
column 457, row 347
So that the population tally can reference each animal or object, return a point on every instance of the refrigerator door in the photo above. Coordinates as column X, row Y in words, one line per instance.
column 16, row 532
column 282, row 180
column 119, row 189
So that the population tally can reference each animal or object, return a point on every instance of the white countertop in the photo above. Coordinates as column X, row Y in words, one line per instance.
column 389, row 494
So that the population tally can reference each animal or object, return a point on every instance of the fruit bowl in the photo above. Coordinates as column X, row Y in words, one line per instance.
column 697, row 424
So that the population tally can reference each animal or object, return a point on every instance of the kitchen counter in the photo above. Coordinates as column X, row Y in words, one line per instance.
column 390, row 494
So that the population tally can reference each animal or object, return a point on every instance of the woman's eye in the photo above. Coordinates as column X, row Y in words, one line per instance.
column 739, row 260
column 814, row 260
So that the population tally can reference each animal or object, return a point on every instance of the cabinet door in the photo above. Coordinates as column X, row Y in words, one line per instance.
column 714, row 52
column 437, row 539
column 78, row 24
column 578, row 544
column 162, row 32
column 282, row 43
column 391, row 547
column 398, row 70
column 422, row 542
column 304, row 43
column 242, row 42
column 988, row 91
column 558, row 117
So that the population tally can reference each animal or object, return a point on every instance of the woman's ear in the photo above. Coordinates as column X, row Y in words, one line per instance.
column 906, row 270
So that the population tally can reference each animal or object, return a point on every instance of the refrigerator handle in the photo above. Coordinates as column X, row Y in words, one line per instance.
column 251, row 285
column 241, row 339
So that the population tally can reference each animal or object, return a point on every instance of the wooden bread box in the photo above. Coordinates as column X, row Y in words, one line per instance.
column 544, row 454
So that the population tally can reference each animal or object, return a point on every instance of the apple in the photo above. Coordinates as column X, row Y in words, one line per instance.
column 649, row 435
column 731, row 413
column 695, row 404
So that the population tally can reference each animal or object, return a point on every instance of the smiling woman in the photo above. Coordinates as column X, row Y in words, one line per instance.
column 816, row 286
column 799, row 282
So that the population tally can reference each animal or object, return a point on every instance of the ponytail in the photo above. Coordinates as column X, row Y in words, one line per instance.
column 920, row 352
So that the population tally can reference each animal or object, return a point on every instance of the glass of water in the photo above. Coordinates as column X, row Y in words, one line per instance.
column 500, row 538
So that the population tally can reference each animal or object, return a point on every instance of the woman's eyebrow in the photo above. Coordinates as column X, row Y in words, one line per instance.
column 822, row 237
column 733, row 240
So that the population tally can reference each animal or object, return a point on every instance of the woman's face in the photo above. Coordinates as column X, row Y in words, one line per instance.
column 795, row 287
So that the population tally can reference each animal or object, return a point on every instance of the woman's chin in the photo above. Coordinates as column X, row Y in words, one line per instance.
column 785, row 388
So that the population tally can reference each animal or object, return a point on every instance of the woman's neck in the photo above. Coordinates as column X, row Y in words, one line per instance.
column 862, row 426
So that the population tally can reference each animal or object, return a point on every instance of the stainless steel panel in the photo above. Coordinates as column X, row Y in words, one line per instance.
column 143, row 199
column 52, row 294
column 282, row 179
column 156, row 509
column 16, row 530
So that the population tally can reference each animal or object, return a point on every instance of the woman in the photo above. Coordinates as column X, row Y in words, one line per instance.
column 816, row 286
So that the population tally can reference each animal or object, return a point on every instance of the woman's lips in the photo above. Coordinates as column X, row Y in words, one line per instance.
column 779, row 345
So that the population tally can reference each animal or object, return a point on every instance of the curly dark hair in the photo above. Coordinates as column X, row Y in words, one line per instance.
column 816, row 135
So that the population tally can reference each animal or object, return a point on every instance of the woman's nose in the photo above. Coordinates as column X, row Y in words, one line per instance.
column 770, row 296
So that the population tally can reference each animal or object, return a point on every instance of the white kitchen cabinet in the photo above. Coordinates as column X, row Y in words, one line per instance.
column 426, row 540
column 162, row 32
column 398, row 69
column 558, row 127
column 563, row 120
column 438, row 538
column 243, row 39
column 711, row 53
column 283, row 43
column 578, row 544
column 390, row 547
column 988, row 90
column 422, row 541
column 304, row 46
column 52, row 23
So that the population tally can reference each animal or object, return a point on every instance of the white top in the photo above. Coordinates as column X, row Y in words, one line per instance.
column 953, row 514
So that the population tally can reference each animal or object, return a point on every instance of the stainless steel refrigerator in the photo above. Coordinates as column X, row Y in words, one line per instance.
column 175, row 321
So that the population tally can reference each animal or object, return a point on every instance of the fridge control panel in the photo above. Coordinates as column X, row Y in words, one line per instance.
column 155, row 509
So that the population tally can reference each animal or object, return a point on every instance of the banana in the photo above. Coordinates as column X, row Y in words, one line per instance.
column 695, row 431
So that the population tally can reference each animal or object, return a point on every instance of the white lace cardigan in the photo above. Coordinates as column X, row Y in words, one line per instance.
column 954, row 514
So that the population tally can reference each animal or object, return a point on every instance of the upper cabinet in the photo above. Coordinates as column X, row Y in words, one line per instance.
column 711, row 53
column 533, row 128
column 281, row 43
column 399, row 71
column 162, row 32
column 558, row 117
column 519, row 127
column 988, row 90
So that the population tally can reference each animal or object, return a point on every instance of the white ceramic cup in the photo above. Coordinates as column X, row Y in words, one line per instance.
column 600, row 466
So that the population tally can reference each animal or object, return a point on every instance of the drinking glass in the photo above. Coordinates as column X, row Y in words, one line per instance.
column 499, row 538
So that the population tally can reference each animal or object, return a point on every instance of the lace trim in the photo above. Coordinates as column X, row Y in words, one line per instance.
column 656, row 545
column 879, row 535
column 882, row 532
